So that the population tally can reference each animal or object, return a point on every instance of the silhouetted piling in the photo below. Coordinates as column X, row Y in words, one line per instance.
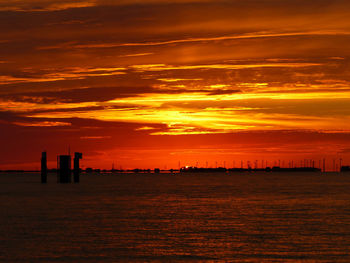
column 345, row 169
column 43, row 168
column 64, row 169
column 77, row 157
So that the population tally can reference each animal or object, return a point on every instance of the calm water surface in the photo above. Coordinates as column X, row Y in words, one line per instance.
column 176, row 218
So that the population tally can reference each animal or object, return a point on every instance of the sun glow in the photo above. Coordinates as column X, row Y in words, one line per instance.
column 189, row 111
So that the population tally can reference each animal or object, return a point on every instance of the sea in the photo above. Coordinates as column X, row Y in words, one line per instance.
column 242, row 217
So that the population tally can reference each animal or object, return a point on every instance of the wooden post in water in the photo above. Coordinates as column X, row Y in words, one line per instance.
column 43, row 168
column 64, row 169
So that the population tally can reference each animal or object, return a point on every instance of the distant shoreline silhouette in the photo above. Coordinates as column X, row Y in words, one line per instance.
column 64, row 169
column 344, row 169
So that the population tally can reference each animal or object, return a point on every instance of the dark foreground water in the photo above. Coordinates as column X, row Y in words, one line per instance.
column 167, row 218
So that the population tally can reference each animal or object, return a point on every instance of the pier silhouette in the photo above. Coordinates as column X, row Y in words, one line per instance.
column 345, row 169
column 43, row 168
column 64, row 171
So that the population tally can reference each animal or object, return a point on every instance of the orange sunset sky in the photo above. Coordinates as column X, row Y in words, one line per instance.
column 151, row 83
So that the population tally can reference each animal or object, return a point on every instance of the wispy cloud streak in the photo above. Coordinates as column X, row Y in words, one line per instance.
column 202, row 39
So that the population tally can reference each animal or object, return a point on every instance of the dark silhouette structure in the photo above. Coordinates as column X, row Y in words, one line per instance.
column 345, row 169
column 191, row 169
column 43, row 168
column 76, row 171
column 295, row 169
column 64, row 169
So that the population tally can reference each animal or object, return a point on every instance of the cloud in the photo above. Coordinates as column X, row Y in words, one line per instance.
column 43, row 5
column 176, row 79
column 136, row 55
column 95, row 137
column 88, row 96
column 161, row 67
column 145, row 128
column 64, row 74
column 51, row 5
column 172, row 110
column 207, row 39
column 43, row 124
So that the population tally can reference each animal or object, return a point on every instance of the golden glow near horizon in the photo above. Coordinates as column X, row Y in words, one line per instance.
column 167, row 68
column 180, row 109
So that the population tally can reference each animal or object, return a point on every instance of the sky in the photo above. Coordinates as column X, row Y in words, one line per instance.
column 168, row 83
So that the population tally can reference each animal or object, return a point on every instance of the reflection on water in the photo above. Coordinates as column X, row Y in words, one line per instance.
column 162, row 218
